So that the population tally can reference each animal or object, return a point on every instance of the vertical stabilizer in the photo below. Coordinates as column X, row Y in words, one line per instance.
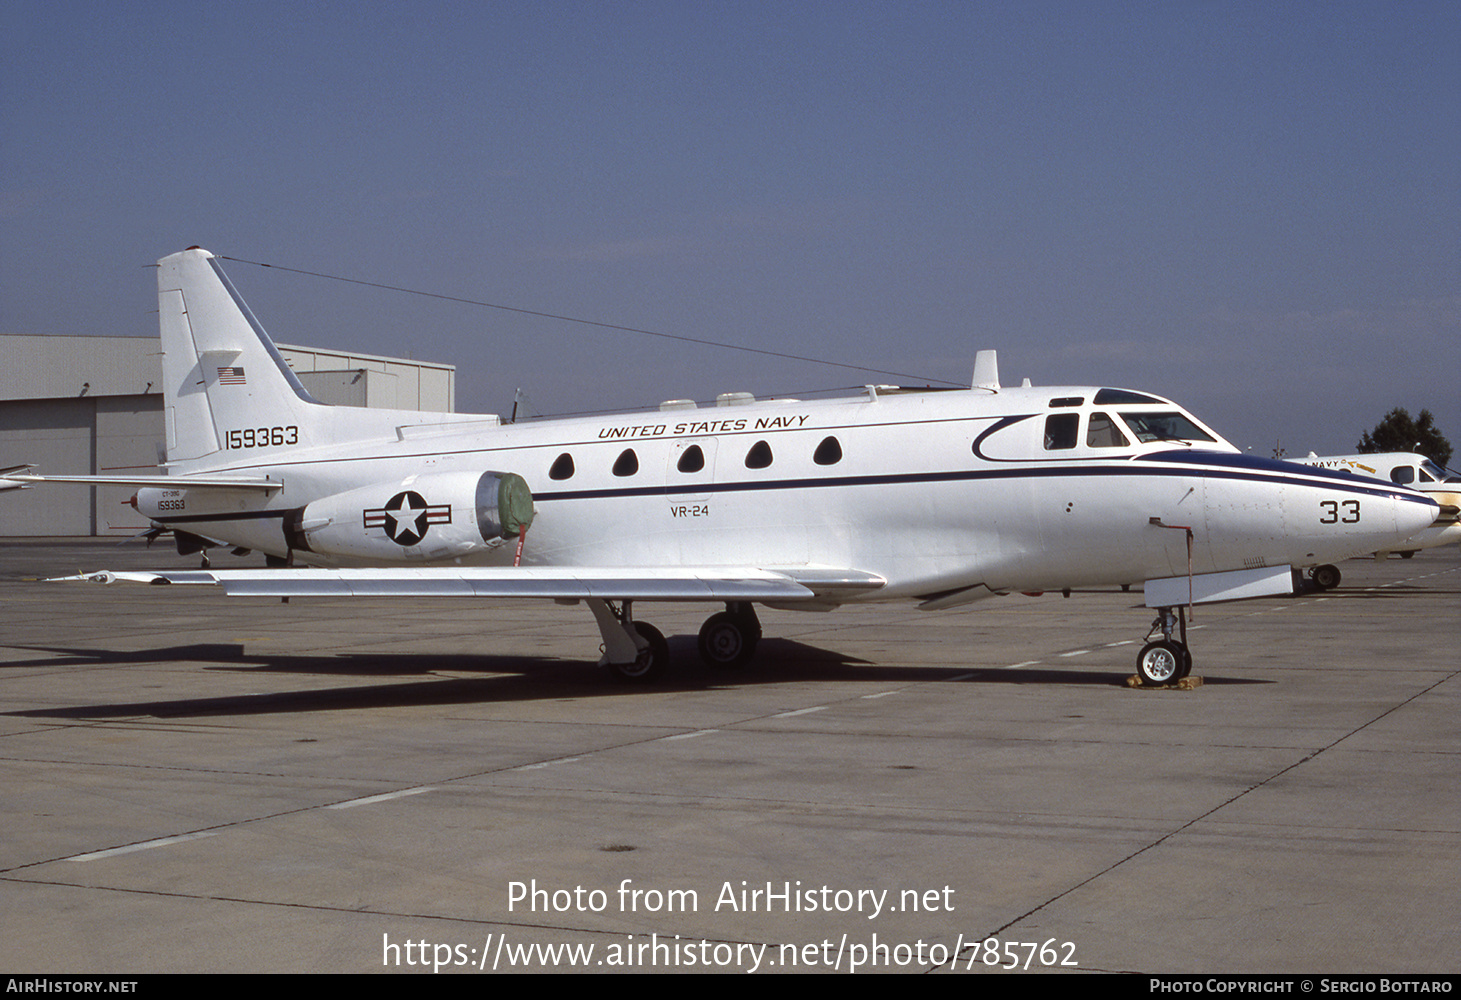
column 227, row 388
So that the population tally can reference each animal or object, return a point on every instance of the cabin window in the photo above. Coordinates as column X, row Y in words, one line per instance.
column 829, row 452
column 1402, row 474
column 693, row 460
column 1062, row 430
column 1102, row 432
column 627, row 464
column 562, row 467
column 759, row 457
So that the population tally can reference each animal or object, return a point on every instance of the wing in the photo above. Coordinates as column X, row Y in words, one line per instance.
column 563, row 583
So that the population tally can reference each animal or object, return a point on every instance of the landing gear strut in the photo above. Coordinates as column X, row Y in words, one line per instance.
column 728, row 638
column 1166, row 660
column 635, row 652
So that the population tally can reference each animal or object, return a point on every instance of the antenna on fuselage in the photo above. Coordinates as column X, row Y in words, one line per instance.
column 522, row 407
column 986, row 371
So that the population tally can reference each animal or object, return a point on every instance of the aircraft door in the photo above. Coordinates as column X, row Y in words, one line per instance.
column 689, row 471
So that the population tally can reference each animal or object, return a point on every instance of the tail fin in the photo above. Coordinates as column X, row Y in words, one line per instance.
column 229, row 394
column 227, row 387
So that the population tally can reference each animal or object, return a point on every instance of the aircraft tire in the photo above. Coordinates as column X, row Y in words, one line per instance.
column 728, row 640
column 1326, row 577
column 650, row 663
column 1162, row 662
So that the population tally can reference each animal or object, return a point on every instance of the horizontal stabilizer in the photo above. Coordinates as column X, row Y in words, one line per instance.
column 218, row 482
column 8, row 481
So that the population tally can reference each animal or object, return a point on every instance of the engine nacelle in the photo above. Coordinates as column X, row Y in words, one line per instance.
column 444, row 515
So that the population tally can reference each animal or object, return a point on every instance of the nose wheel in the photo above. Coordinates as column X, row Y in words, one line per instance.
column 1167, row 660
column 1163, row 662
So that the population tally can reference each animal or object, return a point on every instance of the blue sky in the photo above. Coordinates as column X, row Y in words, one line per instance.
column 1252, row 208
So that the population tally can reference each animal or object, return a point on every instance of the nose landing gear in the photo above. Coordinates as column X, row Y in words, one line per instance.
column 1167, row 660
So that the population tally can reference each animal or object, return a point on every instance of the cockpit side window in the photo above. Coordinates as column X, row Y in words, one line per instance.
column 1167, row 426
column 1102, row 432
column 1062, row 431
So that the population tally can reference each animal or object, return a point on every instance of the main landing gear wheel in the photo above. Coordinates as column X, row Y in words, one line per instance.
column 650, row 662
column 1325, row 577
column 1163, row 662
column 728, row 639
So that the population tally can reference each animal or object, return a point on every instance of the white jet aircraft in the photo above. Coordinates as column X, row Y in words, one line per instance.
column 936, row 498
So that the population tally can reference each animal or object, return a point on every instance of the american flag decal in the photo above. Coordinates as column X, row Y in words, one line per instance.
column 231, row 376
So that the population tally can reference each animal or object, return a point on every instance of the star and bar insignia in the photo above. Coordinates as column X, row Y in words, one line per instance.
column 406, row 516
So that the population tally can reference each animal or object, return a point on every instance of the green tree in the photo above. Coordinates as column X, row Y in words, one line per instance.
column 1400, row 432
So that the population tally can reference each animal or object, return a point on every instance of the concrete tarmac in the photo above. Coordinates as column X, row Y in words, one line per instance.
column 201, row 783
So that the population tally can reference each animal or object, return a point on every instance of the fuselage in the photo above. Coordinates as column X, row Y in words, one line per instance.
column 937, row 492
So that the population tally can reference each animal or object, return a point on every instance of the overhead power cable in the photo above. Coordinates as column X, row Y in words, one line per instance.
column 588, row 322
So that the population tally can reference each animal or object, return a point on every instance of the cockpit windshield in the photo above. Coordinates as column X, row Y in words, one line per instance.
column 1167, row 426
column 1431, row 472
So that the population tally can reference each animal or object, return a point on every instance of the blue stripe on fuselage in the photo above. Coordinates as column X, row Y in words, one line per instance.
column 1212, row 465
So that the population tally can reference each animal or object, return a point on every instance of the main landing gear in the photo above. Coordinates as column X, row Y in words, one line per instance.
column 636, row 652
column 728, row 638
column 1167, row 660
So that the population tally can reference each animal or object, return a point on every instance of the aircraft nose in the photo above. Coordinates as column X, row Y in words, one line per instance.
column 1414, row 512
column 1377, row 516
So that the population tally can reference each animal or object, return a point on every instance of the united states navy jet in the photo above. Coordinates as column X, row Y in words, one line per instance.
column 934, row 498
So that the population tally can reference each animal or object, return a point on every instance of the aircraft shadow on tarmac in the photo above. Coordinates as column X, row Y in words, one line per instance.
column 512, row 678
